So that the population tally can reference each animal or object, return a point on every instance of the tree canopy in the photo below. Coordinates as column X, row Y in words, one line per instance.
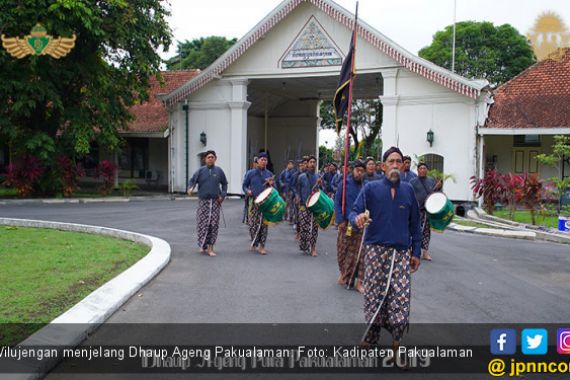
column 482, row 51
column 365, row 119
column 199, row 53
column 51, row 104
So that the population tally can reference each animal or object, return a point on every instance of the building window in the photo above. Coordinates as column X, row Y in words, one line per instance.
column 133, row 160
column 526, row 140
column 433, row 161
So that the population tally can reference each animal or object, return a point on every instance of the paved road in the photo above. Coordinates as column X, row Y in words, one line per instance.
column 473, row 279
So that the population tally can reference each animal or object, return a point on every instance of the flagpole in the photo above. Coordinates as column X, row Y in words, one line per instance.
column 347, row 139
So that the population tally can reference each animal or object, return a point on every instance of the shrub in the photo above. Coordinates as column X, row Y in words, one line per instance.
column 24, row 174
column 491, row 187
column 128, row 187
column 69, row 174
column 106, row 169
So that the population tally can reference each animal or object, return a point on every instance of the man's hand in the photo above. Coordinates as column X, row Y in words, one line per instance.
column 249, row 193
column 414, row 263
column 220, row 199
column 189, row 191
column 362, row 219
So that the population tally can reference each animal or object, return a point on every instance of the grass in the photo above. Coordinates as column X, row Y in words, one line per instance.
column 549, row 219
column 469, row 223
column 44, row 272
column 6, row 192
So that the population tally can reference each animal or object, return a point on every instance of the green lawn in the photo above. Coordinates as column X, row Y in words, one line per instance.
column 7, row 192
column 44, row 272
column 548, row 219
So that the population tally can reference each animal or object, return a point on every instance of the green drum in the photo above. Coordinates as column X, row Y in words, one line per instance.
column 322, row 208
column 439, row 210
column 272, row 206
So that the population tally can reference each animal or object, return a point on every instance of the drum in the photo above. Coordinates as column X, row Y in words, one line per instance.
column 272, row 206
column 439, row 210
column 322, row 207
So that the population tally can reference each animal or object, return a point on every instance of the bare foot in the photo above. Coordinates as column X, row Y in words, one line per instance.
column 314, row 253
column 359, row 287
column 297, row 237
column 211, row 252
column 252, row 248
column 202, row 251
column 262, row 250
column 340, row 281
column 426, row 256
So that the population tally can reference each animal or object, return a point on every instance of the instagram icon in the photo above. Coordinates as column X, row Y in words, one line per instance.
column 563, row 341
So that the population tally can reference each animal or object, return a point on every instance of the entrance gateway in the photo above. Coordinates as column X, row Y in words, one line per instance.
column 265, row 92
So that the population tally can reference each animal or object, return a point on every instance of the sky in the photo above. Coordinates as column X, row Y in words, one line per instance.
column 409, row 23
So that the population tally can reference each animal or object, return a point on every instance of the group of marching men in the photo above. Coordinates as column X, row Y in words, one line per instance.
column 383, row 228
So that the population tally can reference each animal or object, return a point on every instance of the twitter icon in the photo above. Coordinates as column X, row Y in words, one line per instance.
column 534, row 341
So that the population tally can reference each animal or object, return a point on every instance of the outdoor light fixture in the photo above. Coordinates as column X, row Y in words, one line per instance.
column 203, row 139
column 429, row 137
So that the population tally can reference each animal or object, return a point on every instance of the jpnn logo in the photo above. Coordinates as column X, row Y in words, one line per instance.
column 503, row 342
column 534, row 341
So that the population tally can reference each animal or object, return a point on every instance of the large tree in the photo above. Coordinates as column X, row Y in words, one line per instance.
column 50, row 104
column 365, row 121
column 482, row 51
column 199, row 53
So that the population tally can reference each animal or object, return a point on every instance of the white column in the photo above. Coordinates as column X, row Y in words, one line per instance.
column 389, row 99
column 481, row 162
column 238, row 135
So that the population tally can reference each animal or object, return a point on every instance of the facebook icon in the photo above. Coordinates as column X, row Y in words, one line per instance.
column 503, row 342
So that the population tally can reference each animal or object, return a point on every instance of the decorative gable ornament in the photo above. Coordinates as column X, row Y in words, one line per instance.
column 38, row 42
column 312, row 47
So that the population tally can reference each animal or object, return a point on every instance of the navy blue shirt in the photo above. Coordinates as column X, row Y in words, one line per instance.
column 294, row 180
column 423, row 187
column 394, row 221
column 352, row 190
column 371, row 178
column 256, row 180
column 407, row 176
column 209, row 181
column 285, row 179
column 307, row 182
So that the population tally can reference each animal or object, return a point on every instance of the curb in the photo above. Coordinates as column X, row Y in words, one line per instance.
column 98, row 306
column 142, row 198
column 494, row 232
column 541, row 234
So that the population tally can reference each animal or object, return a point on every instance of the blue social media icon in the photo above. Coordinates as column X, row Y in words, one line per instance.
column 503, row 341
column 534, row 341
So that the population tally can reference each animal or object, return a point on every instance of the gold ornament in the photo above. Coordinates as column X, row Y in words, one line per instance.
column 38, row 42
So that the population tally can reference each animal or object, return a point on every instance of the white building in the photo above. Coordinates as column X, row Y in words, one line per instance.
column 265, row 92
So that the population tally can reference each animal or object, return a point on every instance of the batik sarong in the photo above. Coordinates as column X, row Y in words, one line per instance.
column 426, row 229
column 394, row 314
column 347, row 253
column 308, row 230
column 207, row 222
column 257, row 229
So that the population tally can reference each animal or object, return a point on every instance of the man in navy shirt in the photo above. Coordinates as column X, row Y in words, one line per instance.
column 407, row 175
column 392, row 245
column 257, row 180
column 284, row 182
column 212, row 189
column 349, row 238
column 308, row 228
